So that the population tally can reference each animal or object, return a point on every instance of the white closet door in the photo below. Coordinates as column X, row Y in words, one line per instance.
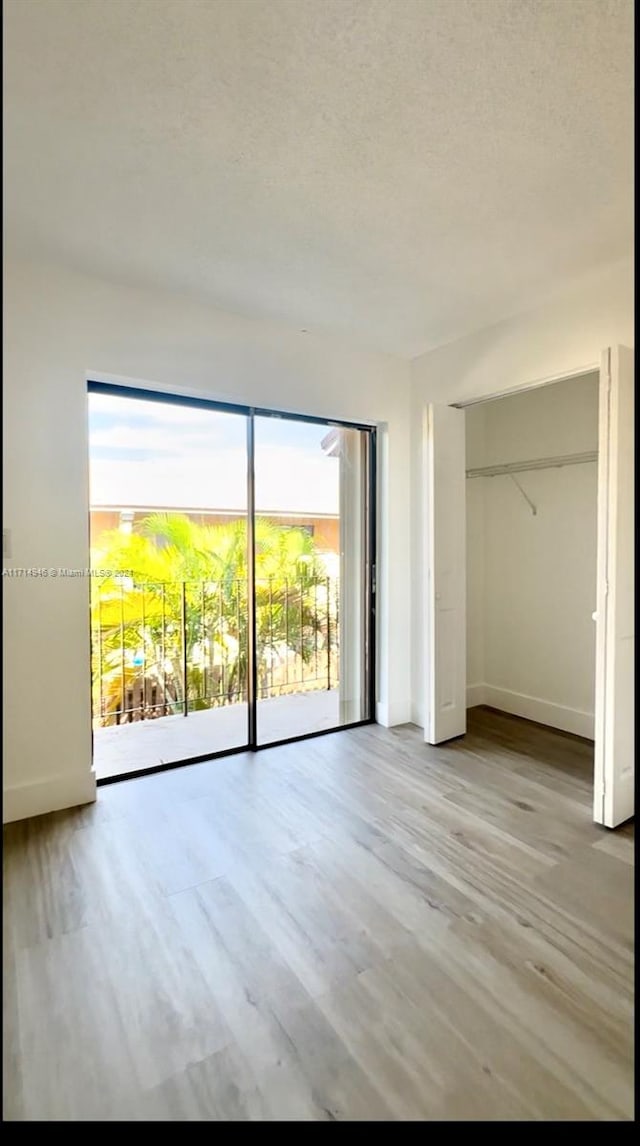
column 445, row 565
column 614, row 701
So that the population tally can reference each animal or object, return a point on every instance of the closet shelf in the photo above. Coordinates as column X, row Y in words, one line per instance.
column 534, row 464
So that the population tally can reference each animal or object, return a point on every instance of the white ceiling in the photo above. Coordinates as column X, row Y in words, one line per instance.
column 400, row 171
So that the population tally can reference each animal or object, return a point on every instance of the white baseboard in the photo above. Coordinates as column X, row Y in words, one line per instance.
column 390, row 715
column 48, row 795
column 533, row 708
column 381, row 714
column 475, row 695
column 416, row 715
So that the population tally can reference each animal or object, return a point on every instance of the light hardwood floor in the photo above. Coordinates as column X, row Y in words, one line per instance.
column 356, row 927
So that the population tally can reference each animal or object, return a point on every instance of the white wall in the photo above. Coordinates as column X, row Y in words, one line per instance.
column 531, row 583
column 562, row 337
column 61, row 327
column 475, row 548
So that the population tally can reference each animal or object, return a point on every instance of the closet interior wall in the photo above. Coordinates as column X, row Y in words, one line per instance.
column 531, row 554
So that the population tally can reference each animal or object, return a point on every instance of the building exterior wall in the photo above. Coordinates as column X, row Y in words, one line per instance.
column 324, row 530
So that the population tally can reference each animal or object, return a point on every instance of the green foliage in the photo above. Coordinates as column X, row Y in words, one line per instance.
column 175, row 573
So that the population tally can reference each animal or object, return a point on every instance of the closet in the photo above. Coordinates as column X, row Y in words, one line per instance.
column 531, row 521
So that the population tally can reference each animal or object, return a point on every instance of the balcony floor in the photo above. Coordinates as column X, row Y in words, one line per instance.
column 147, row 743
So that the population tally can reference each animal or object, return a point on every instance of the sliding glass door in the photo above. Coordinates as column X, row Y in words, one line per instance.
column 312, row 577
column 232, row 569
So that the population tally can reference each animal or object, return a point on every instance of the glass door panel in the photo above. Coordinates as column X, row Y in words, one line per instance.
column 313, row 543
column 168, row 537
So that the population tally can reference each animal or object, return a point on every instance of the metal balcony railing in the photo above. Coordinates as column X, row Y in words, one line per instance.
column 171, row 647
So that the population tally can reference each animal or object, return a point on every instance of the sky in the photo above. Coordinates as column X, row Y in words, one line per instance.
column 147, row 454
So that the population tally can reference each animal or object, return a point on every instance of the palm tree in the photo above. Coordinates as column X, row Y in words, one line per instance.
column 178, row 598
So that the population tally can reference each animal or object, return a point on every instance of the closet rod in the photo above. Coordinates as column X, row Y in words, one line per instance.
column 534, row 464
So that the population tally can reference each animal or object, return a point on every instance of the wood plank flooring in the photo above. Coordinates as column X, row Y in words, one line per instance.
column 357, row 927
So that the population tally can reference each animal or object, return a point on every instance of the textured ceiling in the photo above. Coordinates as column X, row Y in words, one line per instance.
column 400, row 171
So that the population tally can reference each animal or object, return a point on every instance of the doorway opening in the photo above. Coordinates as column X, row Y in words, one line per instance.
column 233, row 578
column 446, row 471
column 531, row 545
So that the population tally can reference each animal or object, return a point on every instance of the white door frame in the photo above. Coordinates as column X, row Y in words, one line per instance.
column 613, row 793
column 522, row 387
column 445, row 564
column 599, row 812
